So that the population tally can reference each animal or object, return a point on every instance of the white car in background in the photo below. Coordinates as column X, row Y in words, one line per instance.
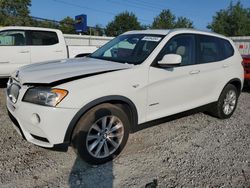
column 21, row 46
column 93, row 103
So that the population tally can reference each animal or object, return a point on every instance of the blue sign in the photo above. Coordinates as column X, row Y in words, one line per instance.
column 81, row 23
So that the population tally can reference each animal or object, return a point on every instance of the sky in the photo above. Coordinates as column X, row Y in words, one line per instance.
column 103, row 11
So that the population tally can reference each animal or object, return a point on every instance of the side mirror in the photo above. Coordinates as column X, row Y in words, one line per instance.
column 170, row 60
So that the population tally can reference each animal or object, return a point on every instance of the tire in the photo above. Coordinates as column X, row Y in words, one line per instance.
column 97, row 145
column 219, row 108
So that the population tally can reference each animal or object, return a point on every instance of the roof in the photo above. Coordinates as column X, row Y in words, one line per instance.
column 27, row 28
column 168, row 31
column 149, row 31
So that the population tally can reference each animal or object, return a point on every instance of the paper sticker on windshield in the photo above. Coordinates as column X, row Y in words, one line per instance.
column 149, row 38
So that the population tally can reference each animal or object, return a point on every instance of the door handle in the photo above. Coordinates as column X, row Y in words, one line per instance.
column 4, row 62
column 58, row 51
column 194, row 72
column 225, row 66
column 24, row 51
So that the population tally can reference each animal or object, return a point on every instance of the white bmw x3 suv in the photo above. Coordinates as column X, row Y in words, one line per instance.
column 93, row 103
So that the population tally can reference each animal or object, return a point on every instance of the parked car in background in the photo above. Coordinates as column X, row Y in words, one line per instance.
column 246, row 65
column 243, row 44
column 93, row 103
column 21, row 46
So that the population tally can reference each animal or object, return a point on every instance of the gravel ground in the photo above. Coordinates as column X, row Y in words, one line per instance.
column 192, row 151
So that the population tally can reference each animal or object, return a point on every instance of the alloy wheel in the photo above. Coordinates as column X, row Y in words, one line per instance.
column 229, row 102
column 105, row 136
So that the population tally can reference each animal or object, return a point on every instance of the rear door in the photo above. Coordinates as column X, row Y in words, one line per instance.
column 14, row 51
column 46, row 46
column 213, row 66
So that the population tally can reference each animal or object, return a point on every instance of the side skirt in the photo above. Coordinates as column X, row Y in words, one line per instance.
column 172, row 117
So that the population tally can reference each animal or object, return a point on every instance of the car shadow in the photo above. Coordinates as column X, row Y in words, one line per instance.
column 3, row 82
column 85, row 175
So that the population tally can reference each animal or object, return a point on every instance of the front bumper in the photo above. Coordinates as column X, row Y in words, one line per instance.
column 51, row 128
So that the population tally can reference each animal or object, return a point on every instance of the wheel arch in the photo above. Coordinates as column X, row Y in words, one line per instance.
column 237, row 83
column 126, row 104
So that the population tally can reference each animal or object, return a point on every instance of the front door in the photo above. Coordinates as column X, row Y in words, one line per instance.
column 174, row 89
column 45, row 46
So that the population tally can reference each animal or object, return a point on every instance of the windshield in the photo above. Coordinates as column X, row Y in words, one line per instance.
column 131, row 49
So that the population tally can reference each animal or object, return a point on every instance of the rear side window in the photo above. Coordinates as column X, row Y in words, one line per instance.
column 212, row 49
column 209, row 49
column 43, row 38
column 227, row 48
column 12, row 38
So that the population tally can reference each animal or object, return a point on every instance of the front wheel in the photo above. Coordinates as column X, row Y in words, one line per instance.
column 226, row 105
column 101, row 134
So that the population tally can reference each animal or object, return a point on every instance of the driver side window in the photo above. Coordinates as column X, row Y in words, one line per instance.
column 12, row 38
column 182, row 45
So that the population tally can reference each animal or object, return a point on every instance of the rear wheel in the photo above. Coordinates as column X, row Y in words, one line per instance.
column 101, row 134
column 226, row 105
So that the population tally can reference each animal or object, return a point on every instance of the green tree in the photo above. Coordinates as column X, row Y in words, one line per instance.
column 67, row 25
column 15, row 12
column 232, row 21
column 167, row 20
column 124, row 21
column 45, row 24
column 183, row 22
